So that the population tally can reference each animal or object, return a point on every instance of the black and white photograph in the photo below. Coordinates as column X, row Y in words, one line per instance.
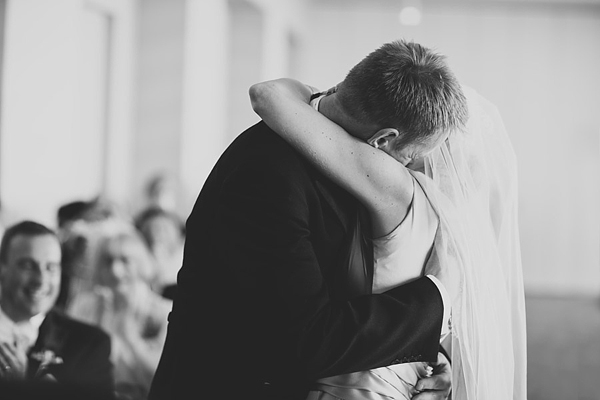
column 300, row 199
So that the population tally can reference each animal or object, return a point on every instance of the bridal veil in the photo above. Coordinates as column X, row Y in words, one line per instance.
column 471, row 181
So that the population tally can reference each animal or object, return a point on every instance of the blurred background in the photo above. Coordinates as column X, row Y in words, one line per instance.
column 129, row 99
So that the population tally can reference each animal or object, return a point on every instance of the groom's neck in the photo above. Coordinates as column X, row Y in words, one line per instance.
column 331, row 108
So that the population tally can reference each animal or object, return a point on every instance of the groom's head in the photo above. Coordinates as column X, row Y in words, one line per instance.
column 404, row 87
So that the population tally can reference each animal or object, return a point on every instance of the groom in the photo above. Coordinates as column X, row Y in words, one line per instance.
column 260, row 312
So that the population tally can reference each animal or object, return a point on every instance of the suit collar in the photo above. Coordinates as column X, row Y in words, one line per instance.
column 52, row 336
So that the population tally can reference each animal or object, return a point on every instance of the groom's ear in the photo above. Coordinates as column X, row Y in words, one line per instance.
column 383, row 137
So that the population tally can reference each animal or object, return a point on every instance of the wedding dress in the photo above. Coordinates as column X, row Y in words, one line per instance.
column 465, row 212
column 408, row 245
column 472, row 183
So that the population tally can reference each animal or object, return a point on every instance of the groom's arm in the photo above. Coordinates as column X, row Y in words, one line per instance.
column 446, row 319
column 270, row 211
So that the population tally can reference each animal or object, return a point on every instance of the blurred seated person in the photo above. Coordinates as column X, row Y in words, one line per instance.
column 164, row 233
column 123, row 304
column 70, row 213
column 80, row 225
column 37, row 343
column 98, row 209
column 160, row 192
column 73, row 245
column 1, row 221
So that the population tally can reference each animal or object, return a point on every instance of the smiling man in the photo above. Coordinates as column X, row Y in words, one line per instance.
column 37, row 343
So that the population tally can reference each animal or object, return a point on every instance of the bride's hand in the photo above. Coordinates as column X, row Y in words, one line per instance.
column 438, row 385
column 265, row 95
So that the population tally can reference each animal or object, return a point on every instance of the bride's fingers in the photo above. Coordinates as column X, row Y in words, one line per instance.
column 436, row 386
column 432, row 395
column 435, row 382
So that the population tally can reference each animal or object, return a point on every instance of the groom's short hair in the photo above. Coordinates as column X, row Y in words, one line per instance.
column 406, row 86
column 23, row 228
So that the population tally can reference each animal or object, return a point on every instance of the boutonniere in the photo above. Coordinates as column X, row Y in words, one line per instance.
column 46, row 359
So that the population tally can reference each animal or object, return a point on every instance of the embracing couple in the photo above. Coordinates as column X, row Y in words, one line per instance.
column 357, row 243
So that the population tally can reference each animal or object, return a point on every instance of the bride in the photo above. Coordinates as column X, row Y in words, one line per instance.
column 446, row 203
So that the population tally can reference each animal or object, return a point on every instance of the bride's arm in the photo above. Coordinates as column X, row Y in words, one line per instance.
column 380, row 182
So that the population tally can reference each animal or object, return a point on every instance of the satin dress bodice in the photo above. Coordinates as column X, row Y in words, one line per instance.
column 399, row 257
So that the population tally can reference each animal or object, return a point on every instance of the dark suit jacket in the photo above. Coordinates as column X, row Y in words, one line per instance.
column 257, row 312
column 85, row 353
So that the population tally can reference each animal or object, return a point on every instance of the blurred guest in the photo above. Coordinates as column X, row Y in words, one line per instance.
column 1, row 221
column 103, row 209
column 73, row 245
column 81, row 223
column 71, row 212
column 160, row 192
column 164, row 233
column 97, row 209
column 123, row 304
column 38, row 343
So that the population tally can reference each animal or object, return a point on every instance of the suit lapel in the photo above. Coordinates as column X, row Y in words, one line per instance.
column 52, row 336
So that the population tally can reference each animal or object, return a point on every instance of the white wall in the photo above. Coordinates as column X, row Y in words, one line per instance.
column 159, row 94
column 205, row 98
column 227, row 46
column 48, row 156
column 38, row 98
column 539, row 63
column 99, row 95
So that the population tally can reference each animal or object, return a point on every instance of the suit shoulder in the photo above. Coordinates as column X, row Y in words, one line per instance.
column 261, row 146
column 79, row 328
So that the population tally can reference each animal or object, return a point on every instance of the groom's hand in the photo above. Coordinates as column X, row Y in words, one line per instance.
column 438, row 385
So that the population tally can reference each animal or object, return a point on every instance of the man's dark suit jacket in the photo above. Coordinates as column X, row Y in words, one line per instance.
column 257, row 313
column 85, row 353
